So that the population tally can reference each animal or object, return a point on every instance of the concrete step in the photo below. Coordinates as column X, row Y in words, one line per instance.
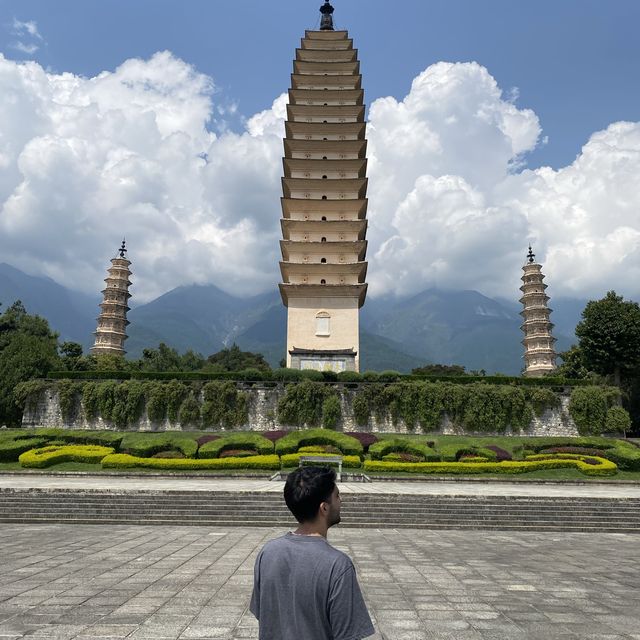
column 536, row 513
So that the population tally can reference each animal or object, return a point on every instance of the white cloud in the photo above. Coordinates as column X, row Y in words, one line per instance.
column 29, row 30
column 84, row 161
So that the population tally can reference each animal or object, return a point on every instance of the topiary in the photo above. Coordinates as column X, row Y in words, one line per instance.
column 617, row 420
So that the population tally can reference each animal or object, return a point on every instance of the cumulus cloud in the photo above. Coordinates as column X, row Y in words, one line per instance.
column 140, row 152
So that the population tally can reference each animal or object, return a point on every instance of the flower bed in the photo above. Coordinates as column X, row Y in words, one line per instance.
column 385, row 447
column 124, row 461
column 48, row 456
column 293, row 460
column 247, row 441
column 296, row 439
column 602, row 468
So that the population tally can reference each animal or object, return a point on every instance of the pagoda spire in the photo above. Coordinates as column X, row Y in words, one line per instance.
column 539, row 349
column 326, row 22
column 112, row 321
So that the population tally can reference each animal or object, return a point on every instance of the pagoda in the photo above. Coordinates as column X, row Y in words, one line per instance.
column 539, row 350
column 324, row 202
column 112, row 321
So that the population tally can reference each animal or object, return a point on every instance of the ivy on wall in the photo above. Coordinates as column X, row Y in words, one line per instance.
column 421, row 405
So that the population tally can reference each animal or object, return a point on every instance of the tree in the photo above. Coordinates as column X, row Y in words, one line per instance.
column 441, row 370
column 28, row 349
column 166, row 358
column 572, row 364
column 233, row 359
column 609, row 335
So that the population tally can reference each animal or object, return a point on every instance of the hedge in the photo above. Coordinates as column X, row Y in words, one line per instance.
column 295, row 375
column 48, row 456
column 224, row 405
column 604, row 467
column 251, row 441
column 145, row 445
column 624, row 454
column 124, row 461
column 293, row 460
column 400, row 445
column 10, row 450
column 291, row 442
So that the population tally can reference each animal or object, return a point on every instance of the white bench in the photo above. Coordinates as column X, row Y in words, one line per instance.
column 335, row 459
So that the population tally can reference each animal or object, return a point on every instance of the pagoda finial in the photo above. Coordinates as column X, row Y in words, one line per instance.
column 326, row 22
column 123, row 249
column 531, row 255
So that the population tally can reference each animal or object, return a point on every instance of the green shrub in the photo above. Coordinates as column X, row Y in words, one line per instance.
column 10, row 450
column 293, row 460
column 293, row 441
column 625, row 455
column 389, row 376
column 189, row 415
column 603, row 468
column 176, row 394
column 224, row 405
column 156, row 401
column 254, row 441
column 68, row 393
column 617, row 420
column 542, row 399
column 286, row 375
column 302, row 403
column 91, row 400
column 27, row 394
column 331, row 412
column 106, row 399
column 384, row 447
column 145, row 445
column 370, row 376
column 85, row 436
column 588, row 408
column 349, row 376
column 128, row 403
column 124, row 461
column 48, row 456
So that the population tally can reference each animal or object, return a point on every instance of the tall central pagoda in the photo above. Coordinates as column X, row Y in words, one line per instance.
column 324, row 202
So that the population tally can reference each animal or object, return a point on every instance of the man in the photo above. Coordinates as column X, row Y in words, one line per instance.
column 304, row 589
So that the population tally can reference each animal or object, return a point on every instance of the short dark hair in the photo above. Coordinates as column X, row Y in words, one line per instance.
column 306, row 489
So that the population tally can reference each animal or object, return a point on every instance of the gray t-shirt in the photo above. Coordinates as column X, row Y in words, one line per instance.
column 304, row 588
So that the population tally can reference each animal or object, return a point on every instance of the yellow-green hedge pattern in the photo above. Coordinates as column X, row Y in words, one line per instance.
column 125, row 461
column 48, row 456
column 601, row 468
column 293, row 459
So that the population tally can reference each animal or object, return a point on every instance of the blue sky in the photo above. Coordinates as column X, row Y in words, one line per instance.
column 574, row 62
column 492, row 124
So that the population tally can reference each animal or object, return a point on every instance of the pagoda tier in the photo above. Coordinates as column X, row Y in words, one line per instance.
column 539, row 343
column 112, row 321
column 324, row 202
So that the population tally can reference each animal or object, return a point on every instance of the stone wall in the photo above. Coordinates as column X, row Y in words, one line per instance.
column 44, row 411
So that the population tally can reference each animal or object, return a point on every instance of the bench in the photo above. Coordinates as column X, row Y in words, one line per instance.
column 335, row 459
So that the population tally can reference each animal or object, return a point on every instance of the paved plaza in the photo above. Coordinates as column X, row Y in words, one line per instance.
column 143, row 582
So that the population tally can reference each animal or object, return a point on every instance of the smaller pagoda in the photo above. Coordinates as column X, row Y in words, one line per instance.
column 112, row 321
column 539, row 350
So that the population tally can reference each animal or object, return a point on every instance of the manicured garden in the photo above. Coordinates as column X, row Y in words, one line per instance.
column 372, row 454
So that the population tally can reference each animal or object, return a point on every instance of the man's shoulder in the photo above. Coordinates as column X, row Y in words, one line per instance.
column 312, row 548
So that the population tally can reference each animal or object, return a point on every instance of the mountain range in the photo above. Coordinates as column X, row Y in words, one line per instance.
column 433, row 326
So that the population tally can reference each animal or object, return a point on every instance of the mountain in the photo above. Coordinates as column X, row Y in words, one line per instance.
column 447, row 327
column 72, row 314
column 453, row 327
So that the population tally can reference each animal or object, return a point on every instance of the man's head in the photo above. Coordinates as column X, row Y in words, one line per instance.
column 311, row 492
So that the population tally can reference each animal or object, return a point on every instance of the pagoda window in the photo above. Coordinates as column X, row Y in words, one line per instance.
column 324, row 218
column 323, row 240
column 323, row 261
column 324, row 157
column 323, row 324
column 324, row 177
column 323, row 281
column 324, row 197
